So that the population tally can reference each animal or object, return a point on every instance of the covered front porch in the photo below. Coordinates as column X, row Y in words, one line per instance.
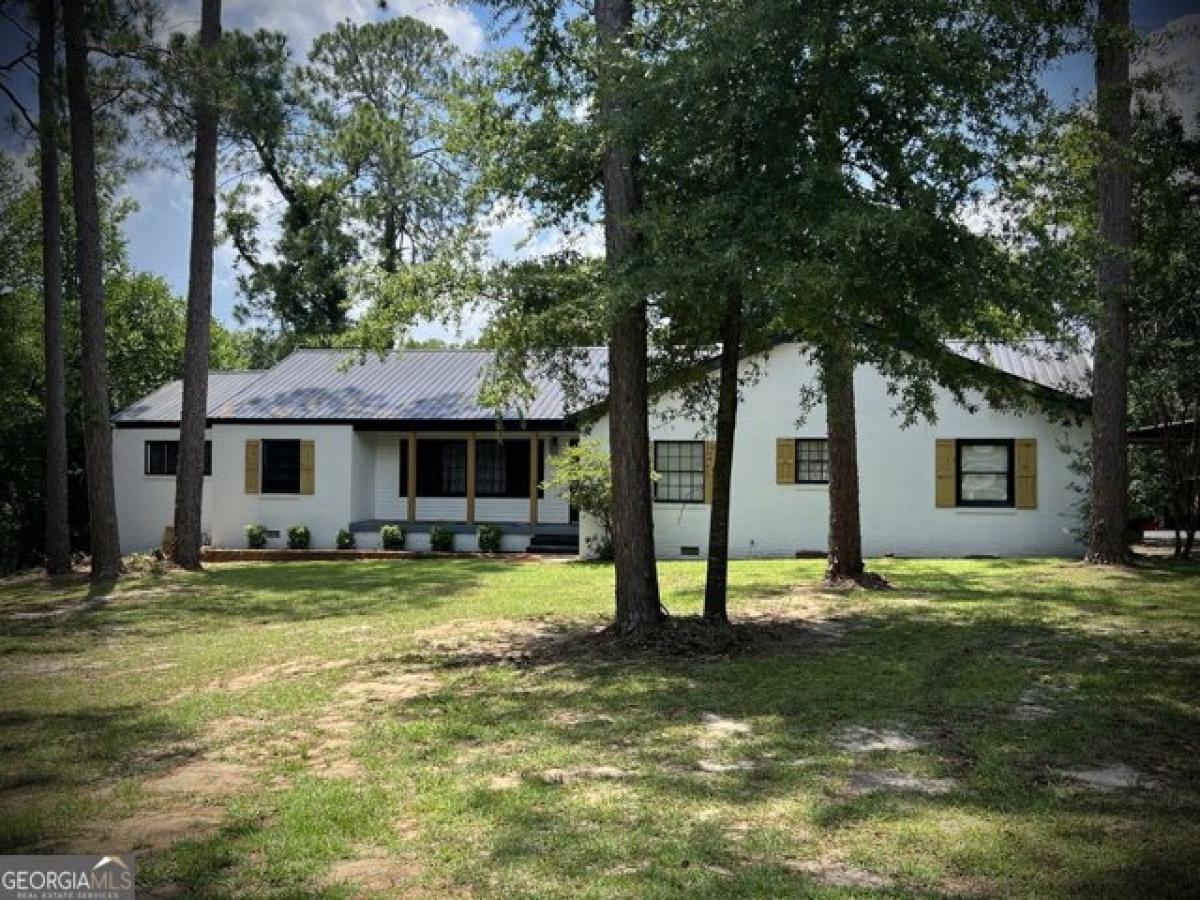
column 460, row 479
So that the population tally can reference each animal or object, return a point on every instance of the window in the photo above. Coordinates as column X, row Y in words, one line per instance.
column 403, row 467
column 680, row 465
column 442, row 468
column 162, row 457
column 812, row 461
column 985, row 473
column 502, row 469
column 281, row 467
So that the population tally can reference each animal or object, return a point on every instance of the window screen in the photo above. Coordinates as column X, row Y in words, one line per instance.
column 680, row 466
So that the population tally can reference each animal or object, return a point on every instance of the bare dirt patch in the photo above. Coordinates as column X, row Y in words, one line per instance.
column 719, row 729
column 1032, row 706
column 295, row 668
column 393, row 687
column 547, row 642
column 151, row 830
column 585, row 773
column 838, row 874
column 717, row 768
column 204, row 777
column 375, row 873
column 871, row 782
column 1116, row 777
column 871, row 740
column 58, row 609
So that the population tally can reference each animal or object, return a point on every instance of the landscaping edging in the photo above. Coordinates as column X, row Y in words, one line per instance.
column 221, row 554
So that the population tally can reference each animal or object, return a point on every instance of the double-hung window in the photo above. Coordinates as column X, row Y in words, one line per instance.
column 680, row 468
column 812, row 461
column 162, row 457
column 984, row 473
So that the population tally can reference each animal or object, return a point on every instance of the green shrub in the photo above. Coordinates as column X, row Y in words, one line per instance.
column 441, row 538
column 298, row 537
column 391, row 537
column 345, row 539
column 489, row 538
column 600, row 547
column 256, row 537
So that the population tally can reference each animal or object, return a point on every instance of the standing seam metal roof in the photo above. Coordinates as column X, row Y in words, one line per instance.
column 429, row 385
column 166, row 404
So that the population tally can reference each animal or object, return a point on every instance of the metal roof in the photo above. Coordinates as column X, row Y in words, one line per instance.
column 166, row 404
column 1037, row 361
column 432, row 385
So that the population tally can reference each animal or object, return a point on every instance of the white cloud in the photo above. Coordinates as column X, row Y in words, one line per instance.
column 303, row 21
column 513, row 234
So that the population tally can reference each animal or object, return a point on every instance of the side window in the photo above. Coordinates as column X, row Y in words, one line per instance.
column 984, row 473
column 680, row 466
column 812, row 461
column 162, row 457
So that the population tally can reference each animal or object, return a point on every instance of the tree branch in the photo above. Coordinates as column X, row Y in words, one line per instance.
column 19, row 106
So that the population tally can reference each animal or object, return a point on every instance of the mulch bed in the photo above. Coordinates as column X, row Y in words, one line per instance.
column 219, row 554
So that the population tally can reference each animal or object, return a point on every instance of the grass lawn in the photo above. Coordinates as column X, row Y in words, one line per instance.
column 988, row 728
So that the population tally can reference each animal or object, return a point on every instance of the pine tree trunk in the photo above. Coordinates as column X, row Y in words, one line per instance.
column 717, row 577
column 845, row 532
column 637, row 600
column 58, row 532
column 1109, row 488
column 97, row 431
column 189, row 479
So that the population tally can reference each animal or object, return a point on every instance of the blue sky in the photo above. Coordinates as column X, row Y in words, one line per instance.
column 158, row 232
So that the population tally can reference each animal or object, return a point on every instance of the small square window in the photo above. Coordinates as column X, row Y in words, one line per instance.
column 812, row 461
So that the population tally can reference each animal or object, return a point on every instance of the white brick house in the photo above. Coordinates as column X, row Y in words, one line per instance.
column 331, row 442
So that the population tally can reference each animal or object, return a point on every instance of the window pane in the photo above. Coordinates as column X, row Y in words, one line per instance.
column 491, row 469
column 281, row 467
column 981, row 488
column 680, row 465
column 984, row 458
column 454, row 468
column 812, row 461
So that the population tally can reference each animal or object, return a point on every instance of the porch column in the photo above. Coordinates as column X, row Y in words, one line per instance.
column 411, row 462
column 470, row 478
column 535, row 441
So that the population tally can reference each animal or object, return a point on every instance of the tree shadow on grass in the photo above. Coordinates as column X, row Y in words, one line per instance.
column 233, row 596
column 73, row 754
column 955, row 685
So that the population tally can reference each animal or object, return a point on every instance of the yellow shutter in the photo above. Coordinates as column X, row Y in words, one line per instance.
column 252, row 467
column 944, row 487
column 785, row 460
column 308, row 467
column 710, row 457
column 1026, row 480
